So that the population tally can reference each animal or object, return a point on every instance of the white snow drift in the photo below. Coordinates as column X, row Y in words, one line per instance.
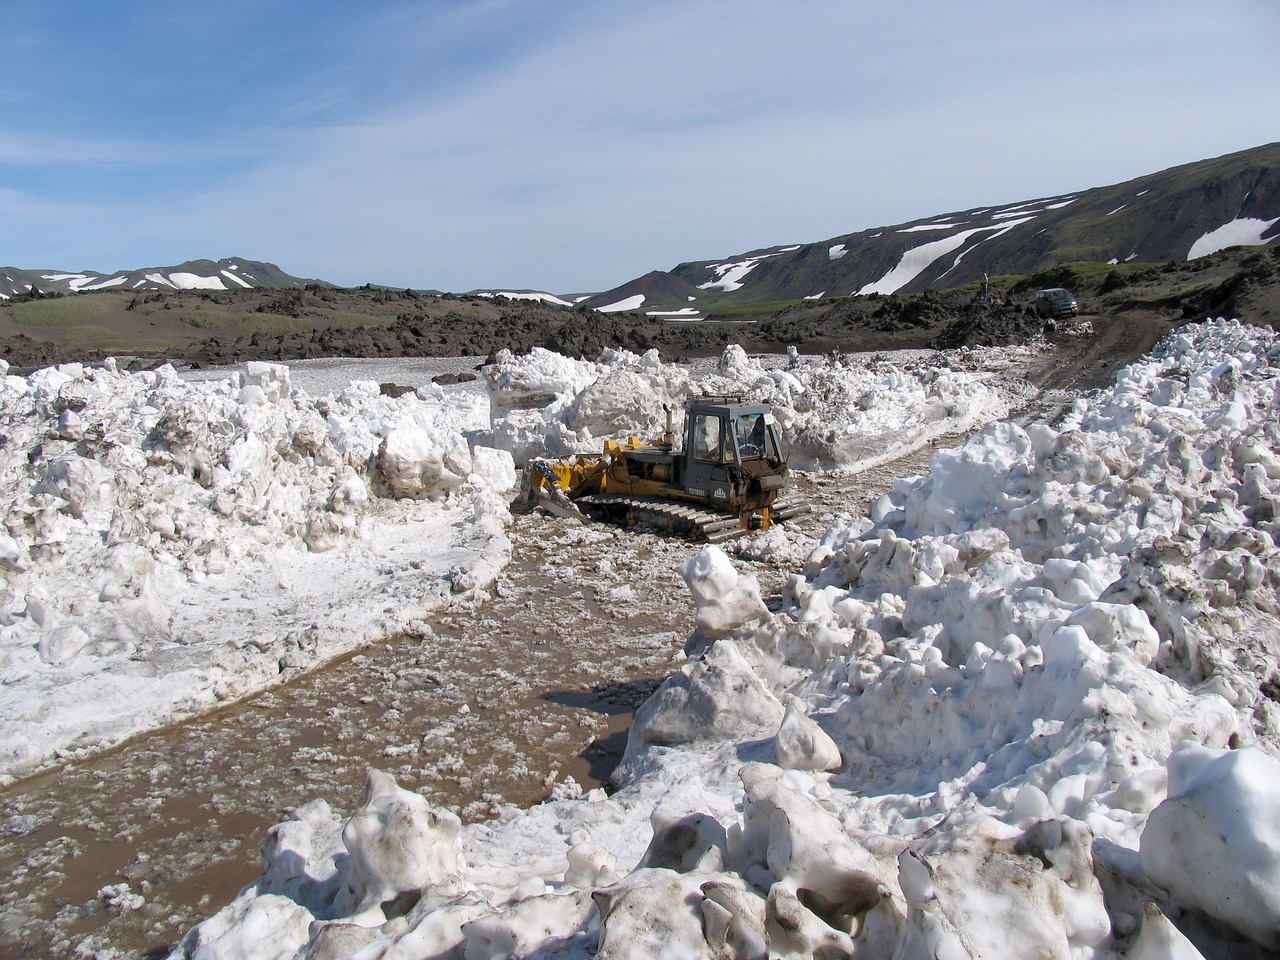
column 1027, row 708
column 168, row 545
column 835, row 412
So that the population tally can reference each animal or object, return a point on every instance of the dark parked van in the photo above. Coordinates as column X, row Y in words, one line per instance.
column 1054, row 302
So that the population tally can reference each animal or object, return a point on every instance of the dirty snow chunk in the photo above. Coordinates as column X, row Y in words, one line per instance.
column 349, row 495
column 971, row 892
column 715, row 696
column 590, row 864
column 725, row 600
column 624, row 593
column 801, row 744
column 618, row 401
column 735, row 363
column 118, row 896
column 10, row 554
column 81, row 482
column 327, row 528
column 1118, row 626
column 790, row 841
column 398, row 845
column 528, row 926
column 266, row 927
column 271, row 378
column 1161, row 940
column 60, row 646
column 494, row 469
column 422, row 462
column 535, row 379
column 1214, row 844
column 640, row 923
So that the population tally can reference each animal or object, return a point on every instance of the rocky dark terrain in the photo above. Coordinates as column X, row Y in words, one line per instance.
column 203, row 328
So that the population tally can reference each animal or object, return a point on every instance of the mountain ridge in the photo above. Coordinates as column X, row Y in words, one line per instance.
column 229, row 273
column 1154, row 218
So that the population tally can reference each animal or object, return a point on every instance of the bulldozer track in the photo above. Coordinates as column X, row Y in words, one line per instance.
column 660, row 515
column 665, row 516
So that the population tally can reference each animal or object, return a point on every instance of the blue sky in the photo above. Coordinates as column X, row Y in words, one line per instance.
column 571, row 146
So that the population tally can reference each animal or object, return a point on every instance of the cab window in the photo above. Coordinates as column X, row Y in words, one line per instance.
column 753, row 436
column 707, row 438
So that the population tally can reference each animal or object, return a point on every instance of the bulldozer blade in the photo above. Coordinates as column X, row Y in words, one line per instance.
column 560, row 506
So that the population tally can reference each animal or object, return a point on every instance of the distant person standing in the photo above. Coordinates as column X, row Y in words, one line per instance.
column 986, row 287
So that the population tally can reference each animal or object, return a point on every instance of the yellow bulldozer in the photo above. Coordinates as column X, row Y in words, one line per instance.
column 727, row 478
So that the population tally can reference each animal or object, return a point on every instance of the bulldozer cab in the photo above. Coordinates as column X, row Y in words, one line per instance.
column 733, row 457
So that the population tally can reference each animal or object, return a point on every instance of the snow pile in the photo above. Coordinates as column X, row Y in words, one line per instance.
column 545, row 404
column 169, row 544
column 835, row 412
column 1028, row 708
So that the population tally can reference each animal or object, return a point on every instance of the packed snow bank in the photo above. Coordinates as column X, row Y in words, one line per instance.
column 168, row 545
column 836, row 413
column 1027, row 708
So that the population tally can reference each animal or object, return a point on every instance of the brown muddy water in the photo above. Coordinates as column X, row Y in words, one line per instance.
column 529, row 691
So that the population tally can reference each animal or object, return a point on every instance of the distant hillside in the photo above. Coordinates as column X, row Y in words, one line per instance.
column 228, row 274
column 1175, row 215
column 207, row 327
column 1191, row 242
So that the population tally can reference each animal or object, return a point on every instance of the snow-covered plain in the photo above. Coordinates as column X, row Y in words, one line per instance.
column 1027, row 707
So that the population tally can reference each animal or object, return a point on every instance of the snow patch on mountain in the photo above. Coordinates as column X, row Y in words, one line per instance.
column 729, row 276
column 918, row 259
column 535, row 295
column 683, row 313
column 1242, row 231
column 633, row 302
